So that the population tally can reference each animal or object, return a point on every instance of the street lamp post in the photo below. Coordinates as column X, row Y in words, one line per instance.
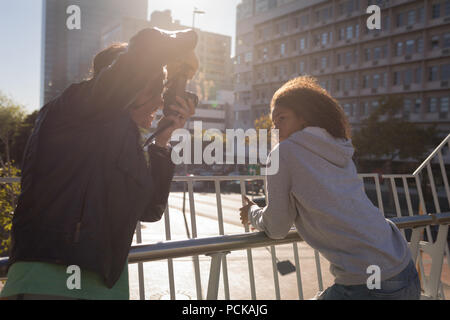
column 194, row 13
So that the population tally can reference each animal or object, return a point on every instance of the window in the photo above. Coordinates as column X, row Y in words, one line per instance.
column 338, row 85
column 283, row 49
column 445, row 72
column 349, row 32
column 407, row 105
column 376, row 81
column 411, row 18
column 447, row 7
column 417, row 105
column 396, row 78
column 433, row 73
column 248, row 57
column 420, row 45
column 301, row 67
column 341, row 33
column 365, row 83
column 367, row 54
column 420, row 15
column 386, row 22
column 408, row 77
column 432, row 106
column 348, row 84
column 304, row 20
column 444, row 104
column 324, row 62
column 400, row 19
column 348, row 109
column 377, row 53
column 365, row 108
column 265, row 53
column 338, row 59
column 375, row 105
column 436, row 11
column 399, row 49
column 434, row 42
column 302, row 44
column 324, row 38
column 409, row 48
column 348, row 58
column 446, row 40
column 418, row 75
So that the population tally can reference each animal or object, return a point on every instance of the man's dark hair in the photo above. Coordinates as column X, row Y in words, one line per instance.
column 107, row 56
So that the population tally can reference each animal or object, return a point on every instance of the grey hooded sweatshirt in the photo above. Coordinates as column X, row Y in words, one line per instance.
column 317, row 189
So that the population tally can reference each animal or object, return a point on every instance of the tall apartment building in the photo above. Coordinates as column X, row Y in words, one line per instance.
column 67, row 54
column 409, row 56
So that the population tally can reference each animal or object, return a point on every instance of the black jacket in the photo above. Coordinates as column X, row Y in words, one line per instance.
column 85, row 179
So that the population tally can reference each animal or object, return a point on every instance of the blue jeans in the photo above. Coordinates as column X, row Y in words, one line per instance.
column 404, row 286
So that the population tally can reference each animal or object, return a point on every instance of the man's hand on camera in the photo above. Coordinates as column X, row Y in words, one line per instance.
column 182, row 112
column 190, row 61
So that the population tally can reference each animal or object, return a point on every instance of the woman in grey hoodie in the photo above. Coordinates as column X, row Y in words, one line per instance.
column 318, row 190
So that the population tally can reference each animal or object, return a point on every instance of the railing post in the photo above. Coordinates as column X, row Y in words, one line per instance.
column 214, row 274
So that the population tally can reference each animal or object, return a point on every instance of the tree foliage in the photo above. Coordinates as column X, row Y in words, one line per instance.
column 15, row 129
column 387, row 134
column 8, row 195
column 11, row 116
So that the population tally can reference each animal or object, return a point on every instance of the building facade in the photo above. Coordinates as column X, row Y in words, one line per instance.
column 409, row 56
column 67, row 54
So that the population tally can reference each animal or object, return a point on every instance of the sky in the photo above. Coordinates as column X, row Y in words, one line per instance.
column 20, row 34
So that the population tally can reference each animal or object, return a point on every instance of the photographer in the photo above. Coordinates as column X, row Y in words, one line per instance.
column 86, row 180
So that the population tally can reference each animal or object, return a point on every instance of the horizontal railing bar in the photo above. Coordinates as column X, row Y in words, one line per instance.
column 397, row 176
column 9, row 180
column 214, row 178
column 443, row 218
column 203, row 246
column 413, row 221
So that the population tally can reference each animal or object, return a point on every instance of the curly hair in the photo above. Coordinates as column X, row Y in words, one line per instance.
column 310, row 102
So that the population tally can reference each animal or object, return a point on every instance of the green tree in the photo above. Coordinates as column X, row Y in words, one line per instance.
column 21, row 136
column 11, row 117
column 8, row 194
column 11, row 124
column 386, row 134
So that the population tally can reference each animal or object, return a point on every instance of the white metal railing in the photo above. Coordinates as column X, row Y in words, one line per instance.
column 411, row 185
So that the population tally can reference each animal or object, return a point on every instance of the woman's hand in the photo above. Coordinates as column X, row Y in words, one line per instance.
column 244, row 211
column 181, row 113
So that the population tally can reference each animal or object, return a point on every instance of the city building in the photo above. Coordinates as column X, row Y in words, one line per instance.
column 67, row 54
column 410, row 55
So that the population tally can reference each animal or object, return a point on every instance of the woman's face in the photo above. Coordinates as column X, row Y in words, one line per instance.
column 286, row 121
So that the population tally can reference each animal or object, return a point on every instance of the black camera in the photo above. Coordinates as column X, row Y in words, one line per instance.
column 177, row 87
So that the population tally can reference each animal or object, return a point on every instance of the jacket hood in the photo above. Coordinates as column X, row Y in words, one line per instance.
column 317, row 140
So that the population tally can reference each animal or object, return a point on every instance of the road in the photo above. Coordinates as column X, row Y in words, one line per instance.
column 206, row 216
